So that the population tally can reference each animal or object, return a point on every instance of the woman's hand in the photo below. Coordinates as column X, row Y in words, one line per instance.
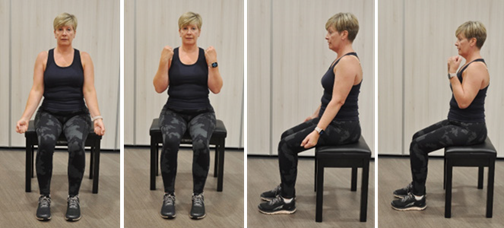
column 167, row 54
column 210, row 55
column 98, row 127
column 22, row 126
column 454, row 63
column 310, row 140
column 310, row 117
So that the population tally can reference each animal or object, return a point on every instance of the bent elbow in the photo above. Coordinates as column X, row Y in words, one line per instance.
column 215, row 90
column 463, row 105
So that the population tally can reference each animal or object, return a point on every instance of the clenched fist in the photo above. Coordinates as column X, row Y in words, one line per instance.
column 454, row 63
column 167, row 54
column 22, row 126
column 210, row 55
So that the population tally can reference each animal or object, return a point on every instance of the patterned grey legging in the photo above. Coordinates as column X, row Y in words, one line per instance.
column 201, row 125
column 49, row 127
column 336, row 133
column 439, row 135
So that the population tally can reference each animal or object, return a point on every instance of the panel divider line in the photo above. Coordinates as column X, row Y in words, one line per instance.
column 10, row 74
column 271, row 80
column 134, row 70
column 403, row 77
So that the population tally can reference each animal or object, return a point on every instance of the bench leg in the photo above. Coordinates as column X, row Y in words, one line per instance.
column 480, row 177
column 29, row 168
column 353, row 187
column 96, row 166
column 33, row 160
column 320, row 193
column 315, row 173
column 216, row 161
column 444, row 172
column 153, row 166
column 448, row 191
column 490, row 190
column 220, row 178
column 364, row 190
column 91, row 162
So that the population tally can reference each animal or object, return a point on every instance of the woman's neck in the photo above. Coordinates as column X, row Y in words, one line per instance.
column 344, row 50
column 189, row 47
column 67, row 49
column 472, row 56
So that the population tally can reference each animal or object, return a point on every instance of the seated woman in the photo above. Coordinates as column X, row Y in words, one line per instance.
column 189, row 72
column 336, row 120
column 64, row 76
column 466, row 119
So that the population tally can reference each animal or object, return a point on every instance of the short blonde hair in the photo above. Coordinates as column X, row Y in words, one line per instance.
column 342, row 22
column 473, row 29
column 65, row 19
column 190, row 18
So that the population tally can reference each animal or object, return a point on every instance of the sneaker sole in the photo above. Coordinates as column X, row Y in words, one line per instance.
column 73, row 220
column 280, row 212
column 402, row 196
column 410, row 208
column 168, row 216
column 196, row 217
column 269, row 199
column 44, row 219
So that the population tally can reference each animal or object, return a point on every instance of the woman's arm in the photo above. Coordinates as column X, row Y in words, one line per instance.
column 161, row 80
column 474, row 76
column 214, row 77
column 90, row 93
column 36, row 93
column 344, row 78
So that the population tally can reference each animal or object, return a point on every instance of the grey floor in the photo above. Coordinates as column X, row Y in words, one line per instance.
column 341, row 206
column 18, row 207
column 142, row 206
column 468, row 202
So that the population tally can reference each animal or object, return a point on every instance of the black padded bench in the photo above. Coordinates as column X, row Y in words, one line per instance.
column 480, row 155
column 93, row 140
column 347, row 156
column 218, row 139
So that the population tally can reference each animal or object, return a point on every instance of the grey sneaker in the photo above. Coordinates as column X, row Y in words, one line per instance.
column 73, row 209
column 198, row 206
column 409, row 203
column 168, row 208
column 44, row 208
column 277, row 206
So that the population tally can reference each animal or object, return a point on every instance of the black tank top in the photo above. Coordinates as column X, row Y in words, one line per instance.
column 63, row 86
column 188, row 90
column 349, row 110
column 476, row 110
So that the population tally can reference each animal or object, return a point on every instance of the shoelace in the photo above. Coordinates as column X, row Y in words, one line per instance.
column 408, row 197
column 277, row 199
column 73, row 202
column 169, row 199
column 44, row 201
column 277, row 189
column 198, row 200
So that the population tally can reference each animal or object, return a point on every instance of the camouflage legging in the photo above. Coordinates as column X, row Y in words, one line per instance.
column 439, row 135
column 173, row 126
column 49, row 127
column 337, row 133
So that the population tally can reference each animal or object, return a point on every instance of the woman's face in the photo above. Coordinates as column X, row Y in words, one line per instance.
column 333, row 38
column 462, row 44
column 64, row 35
column 189, row 34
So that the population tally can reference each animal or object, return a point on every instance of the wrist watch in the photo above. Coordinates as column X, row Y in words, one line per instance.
column 214, row 65
column 319, row 130
column 451, row 75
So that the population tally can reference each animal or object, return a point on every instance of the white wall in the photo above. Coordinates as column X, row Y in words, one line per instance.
column 287, row 57
column 32, row 32
column 429, row 38
column 149, row 26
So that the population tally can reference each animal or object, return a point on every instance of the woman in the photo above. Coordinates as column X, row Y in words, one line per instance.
column 335, row 122
column 189, row 72
column 466, row 119
column 65, row 78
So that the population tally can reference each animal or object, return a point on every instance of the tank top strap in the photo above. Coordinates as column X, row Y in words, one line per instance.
column 349, row 53
column 467, row 65
column 50, row 57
